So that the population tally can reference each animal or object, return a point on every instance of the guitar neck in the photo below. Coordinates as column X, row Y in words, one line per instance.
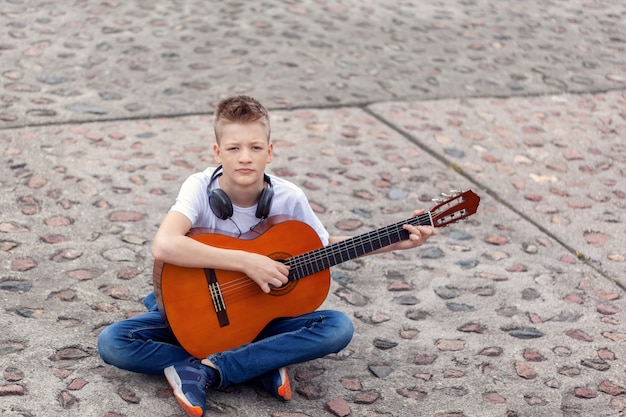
column 323, row 258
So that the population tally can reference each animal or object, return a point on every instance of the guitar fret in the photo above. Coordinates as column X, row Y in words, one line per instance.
column 298, row 272
column 319, row 264
column 341, row 252
column 320, row 259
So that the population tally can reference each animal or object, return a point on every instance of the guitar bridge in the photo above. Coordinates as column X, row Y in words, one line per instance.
column 216, row 297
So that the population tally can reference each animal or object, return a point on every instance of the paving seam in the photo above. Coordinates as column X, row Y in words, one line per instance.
column 492, row 193
column 353, row 104
column 366, row 107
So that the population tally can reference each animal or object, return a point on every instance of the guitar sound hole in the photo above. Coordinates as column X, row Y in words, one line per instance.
column 288, row 287
column 285, row 289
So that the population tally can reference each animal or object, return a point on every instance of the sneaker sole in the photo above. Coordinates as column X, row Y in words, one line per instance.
column 177, row 386
column 284, row 391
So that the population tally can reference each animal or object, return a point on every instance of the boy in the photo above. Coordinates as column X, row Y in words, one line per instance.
column 233, row 198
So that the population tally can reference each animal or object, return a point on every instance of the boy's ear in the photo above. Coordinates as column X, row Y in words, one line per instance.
column 216, row 153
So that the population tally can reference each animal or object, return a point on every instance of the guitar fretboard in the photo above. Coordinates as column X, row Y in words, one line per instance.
column 323, row 258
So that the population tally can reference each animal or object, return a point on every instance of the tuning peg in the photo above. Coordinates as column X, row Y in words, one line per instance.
column 455, row 192
column 437, row 200
column 446, row 195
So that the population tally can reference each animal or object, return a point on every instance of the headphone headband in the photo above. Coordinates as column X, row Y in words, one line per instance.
column 221, row 205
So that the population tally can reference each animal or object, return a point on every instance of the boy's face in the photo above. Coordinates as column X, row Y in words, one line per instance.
column 244, row 151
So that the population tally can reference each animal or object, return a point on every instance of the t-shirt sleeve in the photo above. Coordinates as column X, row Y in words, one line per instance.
column 297, row 206
column 192, row 199
column 312, row 220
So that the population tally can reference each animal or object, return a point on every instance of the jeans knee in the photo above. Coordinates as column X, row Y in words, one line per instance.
column 343, row 329
column 105, row 342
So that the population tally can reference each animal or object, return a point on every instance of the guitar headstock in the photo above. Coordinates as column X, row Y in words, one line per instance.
column 458, row 205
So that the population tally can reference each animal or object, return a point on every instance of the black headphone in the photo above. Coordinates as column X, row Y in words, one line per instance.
column 222, row 207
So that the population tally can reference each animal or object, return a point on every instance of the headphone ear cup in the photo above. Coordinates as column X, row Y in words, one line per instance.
column 265, row 203
column 220, row 204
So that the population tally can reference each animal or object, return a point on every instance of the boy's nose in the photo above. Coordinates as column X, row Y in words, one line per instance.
column 244, row 155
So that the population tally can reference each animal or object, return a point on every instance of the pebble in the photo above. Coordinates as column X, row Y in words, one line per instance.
column 578, row 335
column 493, row 398
column 525, row 333
column 525, row 370
column 432, row 253
column 491, row 351
column 352, row 384
column 384, row 344
column 472, row 328
column 312, row 391
column 417, row 315
column 126, row 216
column 12, row 389
column 450, row 345
column 459, row 307
column 77, row 384
column 120, row 255
column 447, row 293
column 425, row 359
column 413, row 393
column 128, row 395
column 338, row 407
column 584, row 392
column 407, row 300
column 595, row 363
column 18, row 286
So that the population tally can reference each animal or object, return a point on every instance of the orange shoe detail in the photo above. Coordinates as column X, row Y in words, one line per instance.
column 284, row 389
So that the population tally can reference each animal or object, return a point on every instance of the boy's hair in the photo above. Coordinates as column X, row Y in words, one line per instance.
column 240, row 109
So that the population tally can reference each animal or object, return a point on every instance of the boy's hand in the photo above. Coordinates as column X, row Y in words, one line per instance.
column 417, row 234
column 265, row 271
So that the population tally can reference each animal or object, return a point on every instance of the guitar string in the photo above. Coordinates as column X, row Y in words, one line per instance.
column 386, row 234
column 310, row 260
column 379, row 235
column 315, row 255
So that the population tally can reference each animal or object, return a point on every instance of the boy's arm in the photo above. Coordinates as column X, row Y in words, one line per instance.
column 417, row 236
column 172, row 245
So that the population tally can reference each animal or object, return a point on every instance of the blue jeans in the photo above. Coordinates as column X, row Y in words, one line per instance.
column 145, row 344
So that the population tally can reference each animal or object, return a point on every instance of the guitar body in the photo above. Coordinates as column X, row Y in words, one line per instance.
column 190, row 298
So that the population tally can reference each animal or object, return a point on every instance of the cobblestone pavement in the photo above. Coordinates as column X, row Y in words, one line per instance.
column 112, row 59
column 376, row 108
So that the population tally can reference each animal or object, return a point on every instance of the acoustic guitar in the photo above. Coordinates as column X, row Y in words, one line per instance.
column 212, row 310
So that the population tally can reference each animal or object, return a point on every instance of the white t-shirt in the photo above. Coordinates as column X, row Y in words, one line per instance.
column 288, row 199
